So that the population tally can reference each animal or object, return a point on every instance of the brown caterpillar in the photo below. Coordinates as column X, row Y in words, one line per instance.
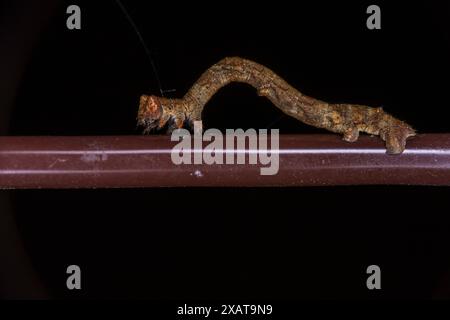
column 346, row 119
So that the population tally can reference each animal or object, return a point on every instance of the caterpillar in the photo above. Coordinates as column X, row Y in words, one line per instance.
column 346, row 119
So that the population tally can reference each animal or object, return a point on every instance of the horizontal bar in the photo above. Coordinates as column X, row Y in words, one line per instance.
column 145, row 161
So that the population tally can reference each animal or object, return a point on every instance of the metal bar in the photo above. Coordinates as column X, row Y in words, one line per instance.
column 145, row 161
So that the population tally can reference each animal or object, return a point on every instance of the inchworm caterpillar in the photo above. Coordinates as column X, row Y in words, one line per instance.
column 347, row 119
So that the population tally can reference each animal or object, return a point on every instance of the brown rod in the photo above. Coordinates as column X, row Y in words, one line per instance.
column 145, row 161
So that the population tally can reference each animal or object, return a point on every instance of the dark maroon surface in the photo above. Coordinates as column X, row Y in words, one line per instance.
column 144, row 161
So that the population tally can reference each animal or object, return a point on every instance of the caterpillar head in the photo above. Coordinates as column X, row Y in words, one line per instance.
column 151, row 113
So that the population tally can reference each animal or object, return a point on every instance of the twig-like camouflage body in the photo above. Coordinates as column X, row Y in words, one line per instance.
column 346, row 119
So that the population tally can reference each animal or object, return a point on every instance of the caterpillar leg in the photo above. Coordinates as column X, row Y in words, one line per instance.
column 351, row 134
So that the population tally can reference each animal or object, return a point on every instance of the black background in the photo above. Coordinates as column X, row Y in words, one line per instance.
column 237, row 243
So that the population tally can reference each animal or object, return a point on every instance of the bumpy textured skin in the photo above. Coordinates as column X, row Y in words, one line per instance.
column 346, row 119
